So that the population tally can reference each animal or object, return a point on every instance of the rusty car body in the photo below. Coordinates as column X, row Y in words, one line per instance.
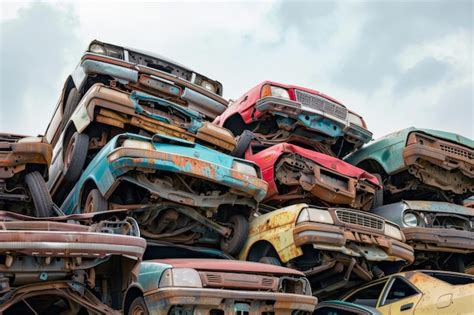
column 296, row 174
column 441, row 233
column 289, row 113
column 67, row 264
column 24, row 165
column 186, row 186
column 418, row 292
column 334, row 247
column 216, row 286
column 420, row 164
column 104, row 112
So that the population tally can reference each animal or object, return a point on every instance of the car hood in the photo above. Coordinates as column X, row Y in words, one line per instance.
column 437, row 206
column 228, row 266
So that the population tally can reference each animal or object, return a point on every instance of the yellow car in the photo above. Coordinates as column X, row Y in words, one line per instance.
column 334, row 247
column 418, row 292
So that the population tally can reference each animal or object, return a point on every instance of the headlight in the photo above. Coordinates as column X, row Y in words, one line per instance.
column 393, row 231
column 410, row 219
column 270, row 90
column 314, row 215
column 208, row 86
column 137, row 144
column 97, row 48
column 180, row 277
column 30, row 140
column 245, row 168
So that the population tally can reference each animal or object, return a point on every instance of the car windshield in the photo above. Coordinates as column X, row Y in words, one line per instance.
column 166, row 250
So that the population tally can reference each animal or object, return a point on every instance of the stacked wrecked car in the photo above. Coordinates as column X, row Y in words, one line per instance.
column 284, row 179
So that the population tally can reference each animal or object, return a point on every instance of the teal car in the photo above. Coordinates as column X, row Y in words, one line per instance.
column 181, row 191
column 210, row 283
column 421, row 164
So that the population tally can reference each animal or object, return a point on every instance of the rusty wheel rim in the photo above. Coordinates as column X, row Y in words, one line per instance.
column 89, row 204
column 137, row 310
column 69, row 150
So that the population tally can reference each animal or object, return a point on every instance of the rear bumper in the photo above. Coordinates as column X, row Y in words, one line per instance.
column 70, row 244
column 15, row 156
column 433, row 239
column 125, row 159
column 162, row 300
column 369, row 245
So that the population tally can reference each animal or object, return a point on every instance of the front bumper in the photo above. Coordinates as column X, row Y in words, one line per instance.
column 202, row 300
column 358, row 243
column 436, row 239
column 123, row 160
column 15, row 156
column 452, row 157
column 313, row 119
column 115, row 108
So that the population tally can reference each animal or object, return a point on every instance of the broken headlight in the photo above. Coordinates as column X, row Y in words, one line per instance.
column 97, row 48
column 209, row 86
column 314, row 215
column 180, row 277
column 245, row 168
column 106, row 49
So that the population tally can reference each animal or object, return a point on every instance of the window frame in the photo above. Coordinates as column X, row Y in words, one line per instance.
column 387, row 288
column 382, row 292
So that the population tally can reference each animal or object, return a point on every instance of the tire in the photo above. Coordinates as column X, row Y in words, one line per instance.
column 95, row 202
column 75, row 155
column 138, row 307
column 378, row 198
column 243, row 143
column 270, row 261
column 40, row 194
column 240, row 229
column 72, row 101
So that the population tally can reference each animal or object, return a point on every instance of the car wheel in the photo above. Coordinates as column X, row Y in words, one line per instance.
column 378, row 198
column 234, row 243
column 75, row 156
column 243, row 143
column 40, row 194
column 95, row 202
column 72, row 101
column 138, row 307
column 270, row 261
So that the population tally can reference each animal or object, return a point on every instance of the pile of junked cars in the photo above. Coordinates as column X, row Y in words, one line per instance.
column 150, row 193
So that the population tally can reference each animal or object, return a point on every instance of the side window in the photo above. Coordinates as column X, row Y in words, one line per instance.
column 367, row 296
column 399, row 290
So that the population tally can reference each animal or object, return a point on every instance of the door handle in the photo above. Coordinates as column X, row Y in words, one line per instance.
column 406, row 307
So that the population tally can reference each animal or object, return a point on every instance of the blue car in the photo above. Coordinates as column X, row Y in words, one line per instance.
column 179, row 190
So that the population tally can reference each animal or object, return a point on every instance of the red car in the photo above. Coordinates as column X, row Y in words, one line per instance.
column 297, row 174
column 289, row 113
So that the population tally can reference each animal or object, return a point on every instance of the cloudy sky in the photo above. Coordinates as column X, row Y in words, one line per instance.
column 398, row 64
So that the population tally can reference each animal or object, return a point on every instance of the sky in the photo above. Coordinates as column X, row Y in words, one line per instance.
column 396, row 63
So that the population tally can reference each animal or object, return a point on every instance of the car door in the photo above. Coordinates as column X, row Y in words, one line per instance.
column 400, row 297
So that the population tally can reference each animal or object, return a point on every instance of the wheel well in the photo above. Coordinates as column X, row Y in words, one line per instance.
column 131, row 294
column 372, row 166
column 86, row 188
column 70, row 130
column 235, row 124
column 261, row 249
column 69, row 85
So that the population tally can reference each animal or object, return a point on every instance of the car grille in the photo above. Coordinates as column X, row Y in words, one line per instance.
column 360, row 219
column 321, row 104
column 457, row 151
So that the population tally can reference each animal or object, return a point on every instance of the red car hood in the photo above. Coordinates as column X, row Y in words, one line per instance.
column 267, row 158
column 229, row 266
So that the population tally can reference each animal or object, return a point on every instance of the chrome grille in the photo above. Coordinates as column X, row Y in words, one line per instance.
column 360, row 219
column 321, row 104
column 457, row 151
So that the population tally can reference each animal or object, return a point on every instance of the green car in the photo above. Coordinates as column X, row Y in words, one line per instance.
column 420, row 164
